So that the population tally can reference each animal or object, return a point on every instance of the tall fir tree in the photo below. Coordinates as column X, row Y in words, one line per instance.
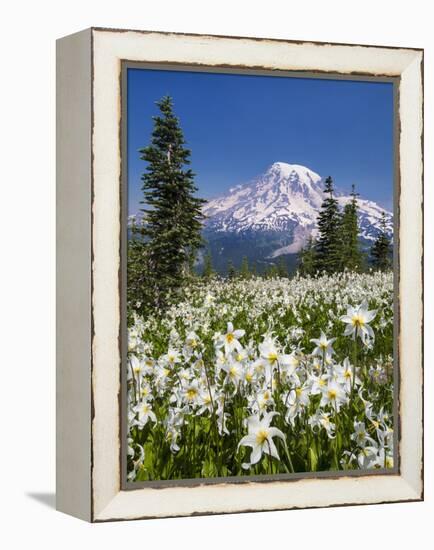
column 381, row 249
column 328, row 246
column 351, row 255
column 208, row 270
column 245, row 273
column 232, row 272
column 271, row 271
column 282, row 268
column 307, row 258
column 173, row 214
column 137, row 262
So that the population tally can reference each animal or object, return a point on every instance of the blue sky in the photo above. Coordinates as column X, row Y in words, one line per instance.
column 237, row 125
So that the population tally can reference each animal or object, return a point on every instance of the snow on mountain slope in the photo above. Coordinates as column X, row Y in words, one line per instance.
column 286, row 198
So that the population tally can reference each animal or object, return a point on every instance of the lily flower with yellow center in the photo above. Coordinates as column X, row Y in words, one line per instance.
column 249, row 374
column 295, row 401
column 144, row 413
column 230, row 340
column 357, row 320
column 137, row 368
column 241, row 356
column 333, row 394
column 191, row 392
column 361, row 436
column 268, row 351
column 264, row 399
column 192, row 340
column 146, row 392
column 345, row 375
column 321, row 419
column 171, row 358
column 323, row 346
column 272, row 359
column 234, row 372
column 260, row 438
column 207, row 400
column 318, row 383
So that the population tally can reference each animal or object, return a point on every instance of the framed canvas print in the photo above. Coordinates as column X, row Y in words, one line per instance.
column 239, row 267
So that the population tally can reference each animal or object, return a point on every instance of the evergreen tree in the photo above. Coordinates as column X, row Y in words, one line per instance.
column 271, row 271
column 381, row 249
column 232, row 273
column 173, row 214
column 282, row 268
column 328, row 247
column 351, row 255
column 245, row 273
column 307, row 258
column 137, row 295
column 208, row 270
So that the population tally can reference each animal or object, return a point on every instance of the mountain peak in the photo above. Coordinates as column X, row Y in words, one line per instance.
column 285, row 199
column 286, row 170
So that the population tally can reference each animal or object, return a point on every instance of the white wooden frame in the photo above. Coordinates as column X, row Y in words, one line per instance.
column 88, row 264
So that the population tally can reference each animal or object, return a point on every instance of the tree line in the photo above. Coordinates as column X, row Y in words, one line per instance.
column 337, row 246
column 164, row 242
column 246, row 270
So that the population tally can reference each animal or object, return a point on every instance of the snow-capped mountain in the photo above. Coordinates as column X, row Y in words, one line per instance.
column 279, row 209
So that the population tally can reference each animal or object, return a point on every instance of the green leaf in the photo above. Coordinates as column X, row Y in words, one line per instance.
column 313, row 458
column 209, row 469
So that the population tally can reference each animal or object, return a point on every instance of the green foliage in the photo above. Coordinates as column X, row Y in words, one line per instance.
column 208, row 270
column 351, row 255
column 245, row 273
column 276, row 270
column 137, row 270
column 282, row 269
column 328, row 246
column 232, row 272
column 338, row 244
column 381, row 249
column 307, row 262
column 173, row 217
column 271, row 272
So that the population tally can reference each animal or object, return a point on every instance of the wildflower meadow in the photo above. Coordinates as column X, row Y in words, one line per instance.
column 263, row 376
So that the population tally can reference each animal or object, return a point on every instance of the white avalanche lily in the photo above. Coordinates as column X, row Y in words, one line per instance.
column 230, row 339
column 269, row 352
column 272, row 359
column 137, row 368
column 322, row 419
column 295, row 401
column 260, row 438
column 192, row 392
column 323, row 346
column 357, row 319
column 192, row 340
column 345, row 375
column 360, row 435
column 234, row 372
column 144, row 413
column 333, row 394
column 171, row 358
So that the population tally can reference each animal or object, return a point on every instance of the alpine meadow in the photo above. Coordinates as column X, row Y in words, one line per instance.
column 259, row 294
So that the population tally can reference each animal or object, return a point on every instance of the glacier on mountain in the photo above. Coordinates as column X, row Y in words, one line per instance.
column 286, row 200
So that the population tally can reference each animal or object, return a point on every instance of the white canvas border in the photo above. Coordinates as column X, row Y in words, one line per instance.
column 109, row 48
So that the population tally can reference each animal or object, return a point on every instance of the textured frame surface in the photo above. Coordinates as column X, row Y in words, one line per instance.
column 107, row 50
